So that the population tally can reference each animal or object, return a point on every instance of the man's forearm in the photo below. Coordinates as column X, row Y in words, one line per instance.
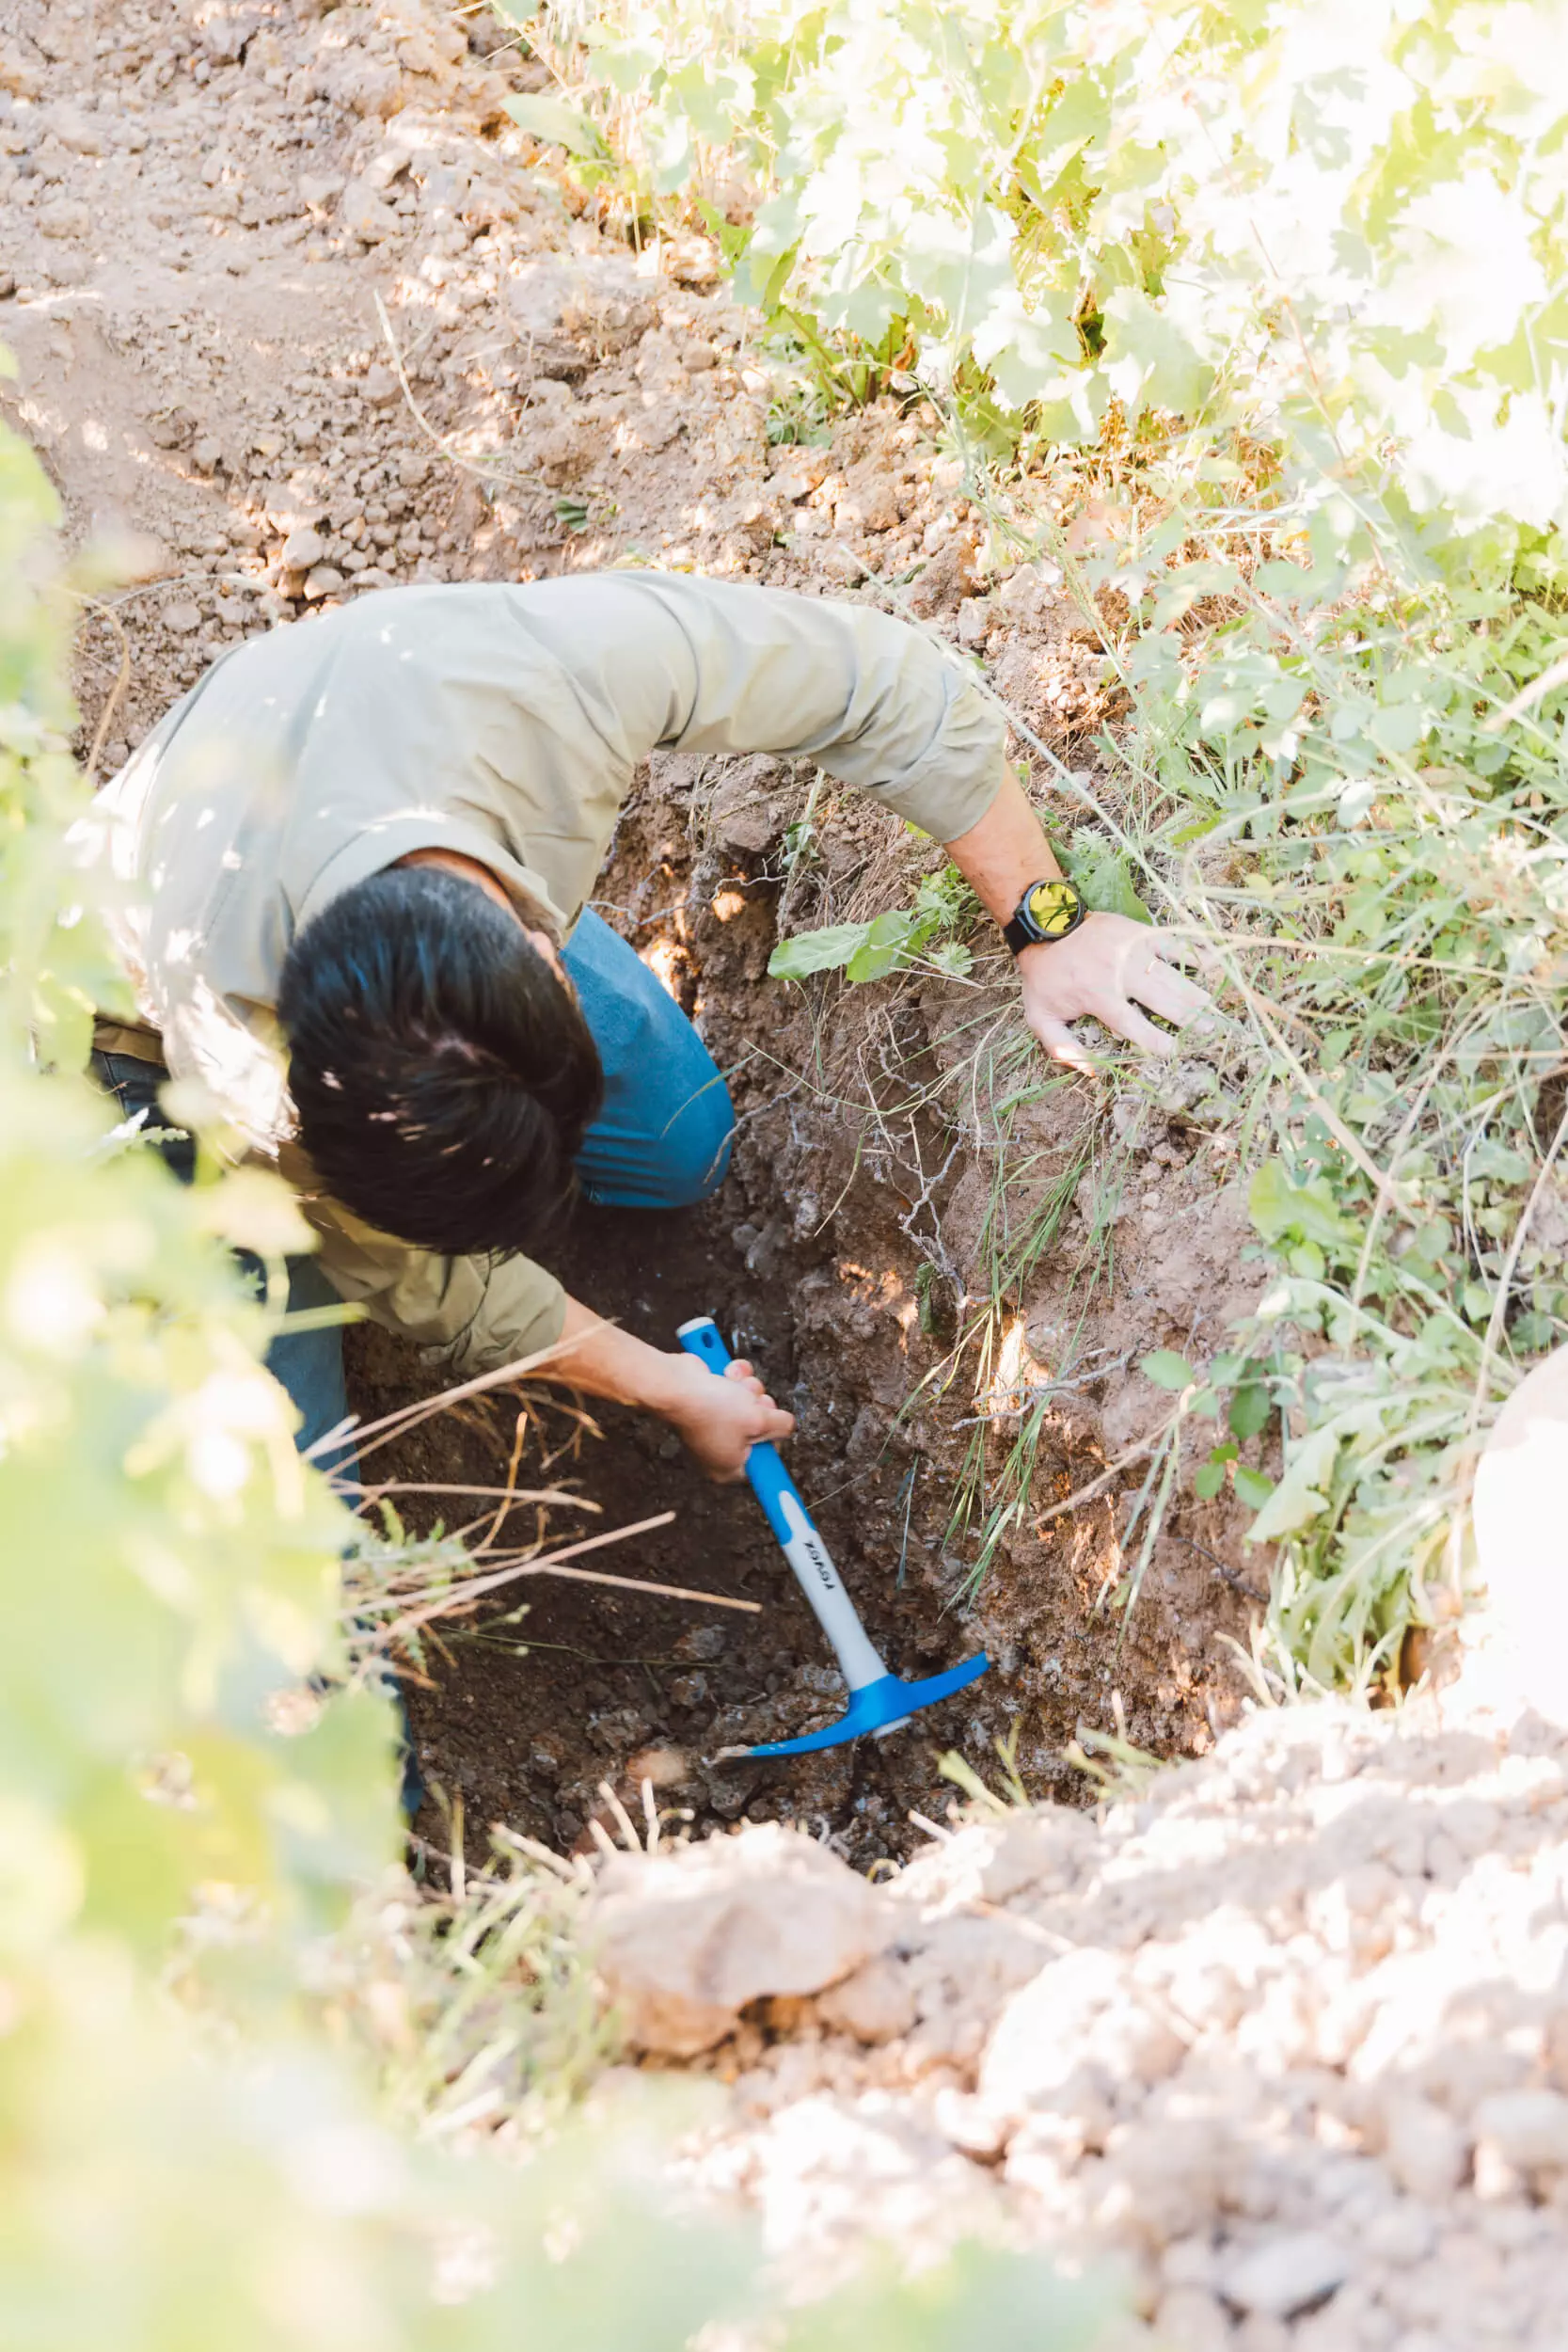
column 601, row 1360
column 719, row 1420
column 1005, row 852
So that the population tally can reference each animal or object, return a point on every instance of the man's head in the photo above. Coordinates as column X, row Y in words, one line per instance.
column 441, row 1068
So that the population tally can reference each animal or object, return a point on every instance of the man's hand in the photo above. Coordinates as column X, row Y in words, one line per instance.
column 720, row 1420
column 1106, row 968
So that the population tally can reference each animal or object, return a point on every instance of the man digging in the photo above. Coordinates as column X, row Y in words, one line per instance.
column 358, row 857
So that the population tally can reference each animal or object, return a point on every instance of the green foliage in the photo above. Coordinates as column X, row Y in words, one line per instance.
column 1103, row 876
column 1295, row 282
column 555, row 124
column 1383, row 864
column 888, row 943
column 1358, row 225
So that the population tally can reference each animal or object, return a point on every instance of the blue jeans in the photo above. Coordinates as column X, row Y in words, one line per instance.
column 661, row 1141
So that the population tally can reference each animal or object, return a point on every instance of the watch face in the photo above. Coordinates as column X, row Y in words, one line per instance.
column 1054, row 908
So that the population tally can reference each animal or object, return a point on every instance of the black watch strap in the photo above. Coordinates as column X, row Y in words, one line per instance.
column 1048, row 910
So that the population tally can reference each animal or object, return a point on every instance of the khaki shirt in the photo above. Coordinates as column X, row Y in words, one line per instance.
column 505, row 722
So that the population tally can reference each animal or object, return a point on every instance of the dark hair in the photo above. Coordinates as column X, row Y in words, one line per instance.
column 441, row 1074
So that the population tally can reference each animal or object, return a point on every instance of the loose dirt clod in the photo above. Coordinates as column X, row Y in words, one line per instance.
column 688, row 1938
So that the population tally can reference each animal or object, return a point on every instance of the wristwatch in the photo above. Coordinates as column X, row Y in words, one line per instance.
column 1047, row 910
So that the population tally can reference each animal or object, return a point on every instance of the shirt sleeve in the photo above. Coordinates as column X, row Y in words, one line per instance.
column 704, row 665
column 470, row 1315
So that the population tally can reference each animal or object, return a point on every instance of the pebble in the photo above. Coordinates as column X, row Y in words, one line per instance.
column 64, row 217
column 365, row 215
column 1427, row 2152
column 181, row 617
column 1527, row 2129
column 1190, row 2320
column 303, row 549
column 688, row 1936
column 323, row 580
column 380, row 386
column 875, row 2004
column 1401, row 2236
column 82, row 135
column 1285, row 2275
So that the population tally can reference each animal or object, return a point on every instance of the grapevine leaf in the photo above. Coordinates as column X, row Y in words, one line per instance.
column 825, row 950
column 1104, row 877
column 1026, row 348
column 715, row 98
column 1250, row 1408
column 1279, row 1207
column 1148, row 362
column 556, row 124
column 888, row 940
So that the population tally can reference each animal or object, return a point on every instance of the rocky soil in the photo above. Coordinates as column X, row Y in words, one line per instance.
column 1283, row 2036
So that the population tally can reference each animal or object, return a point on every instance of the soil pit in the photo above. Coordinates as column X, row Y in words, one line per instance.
column 203, row 364
column 802, row 1261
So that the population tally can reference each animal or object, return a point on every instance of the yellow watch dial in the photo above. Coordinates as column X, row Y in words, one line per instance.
column 1053, row 906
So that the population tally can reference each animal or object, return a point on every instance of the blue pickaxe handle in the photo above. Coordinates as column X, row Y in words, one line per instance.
column 878, row 1702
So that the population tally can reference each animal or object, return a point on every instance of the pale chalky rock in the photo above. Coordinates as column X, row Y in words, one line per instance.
column 65, row 218
column 1082, row 2019
column 685, row 1938
column 181, row 617
column 875, row 2004
column 1426, row 2150
column 825, row 2162
column 78, row 132
column 303, row 549
column 869, row 503
column 1284, row 2275
column 1188, row 2319
column 365, row 215
column 379, row 386
column 20, row 74
column 1527, row 2129
column 799, row 474
column 691, row 260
